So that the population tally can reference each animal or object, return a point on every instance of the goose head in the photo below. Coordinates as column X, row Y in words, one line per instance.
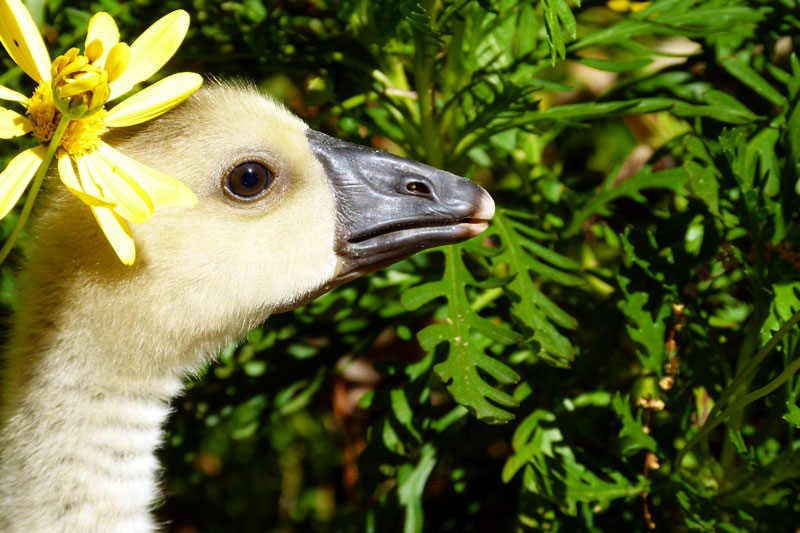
column 284, row 214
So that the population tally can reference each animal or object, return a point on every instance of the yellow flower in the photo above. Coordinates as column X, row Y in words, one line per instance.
column 75, row 87
column 623, row 6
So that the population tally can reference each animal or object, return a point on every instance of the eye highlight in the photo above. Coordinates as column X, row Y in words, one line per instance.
column 247, row 181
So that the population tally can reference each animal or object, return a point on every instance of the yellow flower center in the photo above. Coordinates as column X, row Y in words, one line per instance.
column 81, row 136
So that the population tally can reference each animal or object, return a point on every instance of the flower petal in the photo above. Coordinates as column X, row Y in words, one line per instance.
column 22, row 40
column 117, row 61
column 13, row 124
column 102, row 28
column 133, row 203
column 70, row 181
column 162, row 189
column 151, row 50
column 115, row 228
column 117, row 232
column 14, row 96
column 15, row 178
column 154, row 100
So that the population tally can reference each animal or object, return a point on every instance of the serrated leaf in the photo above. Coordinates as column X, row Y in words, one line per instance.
column 571, row 483
column 553, row 472
column 646, row 330
column 460, row 372
column 633, row 439
column 466, row 360
column 784, row 304
column 530, row 439
column 555, row 11
column 529, row 305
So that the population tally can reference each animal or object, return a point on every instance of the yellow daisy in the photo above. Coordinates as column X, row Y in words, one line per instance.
column 67, row 115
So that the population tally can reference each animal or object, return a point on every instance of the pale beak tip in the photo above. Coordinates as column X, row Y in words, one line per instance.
column 485, row 209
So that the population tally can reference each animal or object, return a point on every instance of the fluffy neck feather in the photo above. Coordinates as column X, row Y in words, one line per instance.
column 92, row 363
column 77, row 446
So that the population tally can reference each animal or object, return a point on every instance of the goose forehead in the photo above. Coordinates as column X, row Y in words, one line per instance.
column 244, row 111
column 252, row 119
column 228, row 124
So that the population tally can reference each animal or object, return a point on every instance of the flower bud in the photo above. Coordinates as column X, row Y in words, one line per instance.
column 79, row 88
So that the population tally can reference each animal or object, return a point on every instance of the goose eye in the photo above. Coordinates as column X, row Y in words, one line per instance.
column 248, row 180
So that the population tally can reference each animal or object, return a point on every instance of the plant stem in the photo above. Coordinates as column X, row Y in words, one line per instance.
column 714, row 417
column 424, row 62
column 34, row 190
column 745, row 366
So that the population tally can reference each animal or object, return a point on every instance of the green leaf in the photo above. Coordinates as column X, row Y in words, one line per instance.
column 553, row 472
column 793, row 416
column 581, row 111
column 646, row 330
column 531, row 439
column 255, row 10
column 672, row 17
column 411, row 480
column 462, row 330
column 633, row 439
column 614, row 66
column 529, row 304
column 555, row 10
column 673, row 179
column 704, row 183
column 761, row 151
column 793, row 138
column 725, row 107
column 744, row 73
column 784, row 304
column 290, row 400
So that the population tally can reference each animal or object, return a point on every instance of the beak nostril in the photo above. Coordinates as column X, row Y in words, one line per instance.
column 417, row 187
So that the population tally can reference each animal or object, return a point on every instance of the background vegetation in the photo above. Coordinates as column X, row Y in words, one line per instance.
column 618, row 352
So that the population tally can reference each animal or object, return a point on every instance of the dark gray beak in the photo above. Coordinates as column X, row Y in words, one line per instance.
column 389, row 208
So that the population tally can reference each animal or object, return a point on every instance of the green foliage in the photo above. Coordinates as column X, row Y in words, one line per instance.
column 460, row 329
column 627, row 324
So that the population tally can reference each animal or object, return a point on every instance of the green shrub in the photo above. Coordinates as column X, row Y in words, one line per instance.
column 618, row 353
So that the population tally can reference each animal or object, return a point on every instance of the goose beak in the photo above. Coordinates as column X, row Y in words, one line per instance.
column 389, row 208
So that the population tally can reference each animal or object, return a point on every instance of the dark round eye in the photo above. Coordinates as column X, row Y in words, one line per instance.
column 417, row 187
column 248, row 180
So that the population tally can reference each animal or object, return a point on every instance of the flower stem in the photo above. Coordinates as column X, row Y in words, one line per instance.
column 34, row 190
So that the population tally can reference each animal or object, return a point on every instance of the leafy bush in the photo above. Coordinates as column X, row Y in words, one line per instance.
column 617, row 353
